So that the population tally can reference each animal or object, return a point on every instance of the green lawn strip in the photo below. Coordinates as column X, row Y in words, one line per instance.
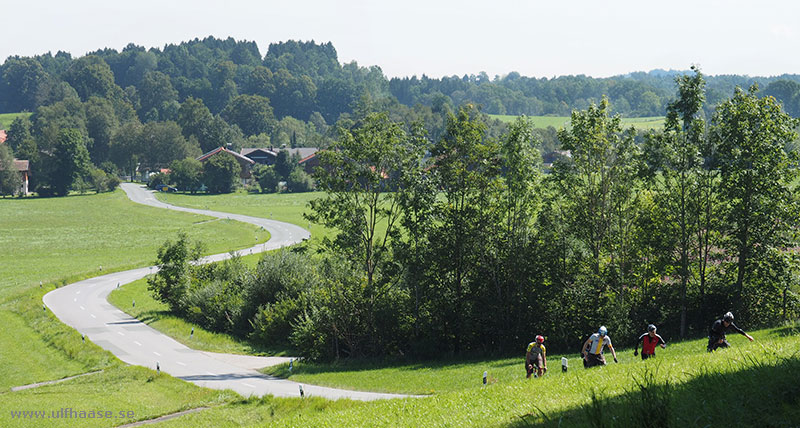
column 157, row 315
column 287, row 207
column 139, row 390
column 752, row 384
column 42, row 347
column 641, row 123
column 7, row 118
column 33, row 362
column 261, row 412
column 446, row 376
column 70, row 238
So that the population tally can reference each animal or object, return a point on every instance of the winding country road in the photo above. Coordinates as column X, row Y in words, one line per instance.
column 84, row 306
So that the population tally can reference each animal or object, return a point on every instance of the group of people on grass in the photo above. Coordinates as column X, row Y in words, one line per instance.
column 593, row 349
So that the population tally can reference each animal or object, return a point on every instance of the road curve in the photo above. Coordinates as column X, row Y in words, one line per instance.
column 84, row 306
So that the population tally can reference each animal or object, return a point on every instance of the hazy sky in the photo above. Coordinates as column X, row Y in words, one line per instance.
column 533, row 37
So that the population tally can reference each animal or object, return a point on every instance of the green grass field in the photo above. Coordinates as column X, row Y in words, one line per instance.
column 751, row 384
column 70, row 238
column 640, row 123
column 123, row 390
column 288, row 207
column 61, row 240
column 7, row 118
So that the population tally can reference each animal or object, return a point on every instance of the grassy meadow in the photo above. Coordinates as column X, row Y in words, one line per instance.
column 61, row 240
column 71, row 238
column 751, row 384
column 7, row 118
column 640, row 123
column 141, row 391
column 288, row 207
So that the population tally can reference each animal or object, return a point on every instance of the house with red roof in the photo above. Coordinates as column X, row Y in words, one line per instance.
column 245, row 162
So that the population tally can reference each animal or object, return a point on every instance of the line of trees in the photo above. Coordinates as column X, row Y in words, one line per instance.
column 463, row 244
column 140, row 109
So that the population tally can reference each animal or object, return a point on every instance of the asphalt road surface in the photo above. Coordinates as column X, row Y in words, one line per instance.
column 84, row 306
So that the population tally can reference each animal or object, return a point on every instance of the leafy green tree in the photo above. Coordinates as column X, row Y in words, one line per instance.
column 24, row 82
column 284, row 164
column 756, row 177
column 71, row 161
column 18, row 132
column 174, row 259
column 221, row 173
column 194, row 117
column 267, row 178
column 601, row 181
column 49, row 121
column 101, row 122
column 90, row 75
column 161, row 143
column 677, row 186
column 466, row 170
column 299, row 181
column 127, row 147
column 252, row 113
column 10, row 180
column 155, row 93
column 102, row 181
column 186, row 174
column 362, row 179
column 510, row 238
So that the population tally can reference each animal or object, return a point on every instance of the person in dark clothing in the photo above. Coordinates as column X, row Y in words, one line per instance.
column 716, row 337
column 649, row 341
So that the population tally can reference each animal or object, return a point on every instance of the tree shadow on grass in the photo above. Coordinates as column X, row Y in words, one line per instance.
column 766, row 395
column 251, row 347
column 403, row 364
column 789, row 330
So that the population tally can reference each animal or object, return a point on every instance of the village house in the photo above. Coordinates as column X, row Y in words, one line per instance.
column 245, row 162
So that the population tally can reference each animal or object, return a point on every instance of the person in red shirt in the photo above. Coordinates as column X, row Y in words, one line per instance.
column 649, row 342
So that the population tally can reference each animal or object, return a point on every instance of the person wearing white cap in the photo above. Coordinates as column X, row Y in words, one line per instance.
column 592, row 350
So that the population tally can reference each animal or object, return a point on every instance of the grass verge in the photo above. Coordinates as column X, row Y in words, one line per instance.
column 752, row 384
column 158, row 316
column 130, row 393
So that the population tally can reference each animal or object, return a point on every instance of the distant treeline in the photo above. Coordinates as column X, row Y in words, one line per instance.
column 301, row 78
column 141, row 109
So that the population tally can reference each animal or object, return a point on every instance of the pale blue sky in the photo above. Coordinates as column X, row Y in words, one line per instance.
column 534, row 38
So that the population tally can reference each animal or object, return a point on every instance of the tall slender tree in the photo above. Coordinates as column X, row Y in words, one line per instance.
column 756, row 174
column 678, row 188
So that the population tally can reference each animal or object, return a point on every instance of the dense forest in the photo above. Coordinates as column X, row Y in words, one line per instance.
column 142, row 109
